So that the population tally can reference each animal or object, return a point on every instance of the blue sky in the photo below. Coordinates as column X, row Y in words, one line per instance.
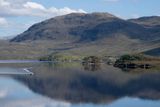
column 17, row 15
column 125, row 8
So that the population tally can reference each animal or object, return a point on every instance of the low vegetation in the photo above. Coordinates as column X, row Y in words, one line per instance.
column 129, row 58
column 60, row 57
column 91, row 59
column 137, row 61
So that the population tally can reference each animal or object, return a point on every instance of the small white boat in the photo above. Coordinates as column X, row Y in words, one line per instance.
column 28, row 71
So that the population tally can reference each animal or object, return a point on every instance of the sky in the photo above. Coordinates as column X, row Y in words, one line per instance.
column 16, row 16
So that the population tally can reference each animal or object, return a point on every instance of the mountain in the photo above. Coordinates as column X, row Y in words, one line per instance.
column 63, row 27
column 79, row 34
column 147, row 21
column 80, row 27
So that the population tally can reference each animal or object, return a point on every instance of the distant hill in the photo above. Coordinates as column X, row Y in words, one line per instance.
column 153, row 52
column 7, row 37
column 80, row 27
column 147, row 21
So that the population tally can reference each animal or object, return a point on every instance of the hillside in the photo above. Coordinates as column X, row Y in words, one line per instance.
column 153, row 52
column 147, row 21
column 63, row 27
column 100, row 34
column 80, row 27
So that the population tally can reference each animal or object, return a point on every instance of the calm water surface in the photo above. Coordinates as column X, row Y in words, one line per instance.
column 76, row 85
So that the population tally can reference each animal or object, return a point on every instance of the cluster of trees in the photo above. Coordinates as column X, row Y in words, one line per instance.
column 91, row 63
column 91, row 59
column 127, row 61
column 59, row 57
column 129, row 58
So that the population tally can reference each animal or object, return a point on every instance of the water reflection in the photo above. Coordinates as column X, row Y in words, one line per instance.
column 72, row 83
column 92, row 67
column 15, row 94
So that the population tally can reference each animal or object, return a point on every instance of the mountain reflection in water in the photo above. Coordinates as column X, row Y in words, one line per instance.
column 73, row 83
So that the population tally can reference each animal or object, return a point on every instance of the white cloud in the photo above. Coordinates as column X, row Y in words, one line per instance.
column 33, row 5
column 19, row 9
column 4, row 3
column 28, row 8
column 3, row 22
